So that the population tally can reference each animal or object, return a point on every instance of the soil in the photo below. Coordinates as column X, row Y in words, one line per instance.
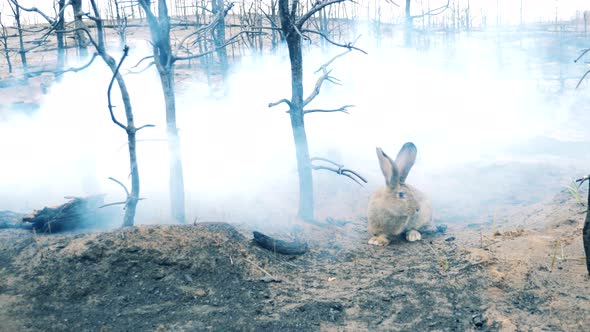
column 211, row 276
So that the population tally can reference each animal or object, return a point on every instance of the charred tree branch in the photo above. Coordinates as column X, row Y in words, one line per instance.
column 349, row 45
column 286, row 101
column 319, row 5
column 324, row 77
column 115, row 73
column 338, row 169
column 343, row 109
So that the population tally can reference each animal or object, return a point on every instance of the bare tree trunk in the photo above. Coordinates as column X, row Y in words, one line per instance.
column 164, row 59
column 408, row 25
column 4, row 36
column 130, row 129
column 81, row 40
column 121, row 24
column 273, row 15
column 22, row 52
column 176, row 172
column 219, row 38
column 59, row 28
column 323, row 18
column 293, row 38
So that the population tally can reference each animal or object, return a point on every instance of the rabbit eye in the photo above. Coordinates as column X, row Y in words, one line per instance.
column 401, row 194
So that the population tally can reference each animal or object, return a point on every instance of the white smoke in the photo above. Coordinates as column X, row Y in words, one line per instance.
column 458, row 104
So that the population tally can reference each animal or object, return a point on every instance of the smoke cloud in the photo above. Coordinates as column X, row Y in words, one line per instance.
column 487, row 132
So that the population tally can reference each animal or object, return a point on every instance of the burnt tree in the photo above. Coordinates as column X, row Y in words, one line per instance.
column 409, row 19
column 164, row 60
column 16, row 11
column 293, row 30
column 4, row 42
column 218, row 33
column 129, row 128
column 56, row 25
column 81, row 39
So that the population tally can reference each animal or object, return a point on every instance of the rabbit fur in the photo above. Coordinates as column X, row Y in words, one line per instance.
column 397, row 208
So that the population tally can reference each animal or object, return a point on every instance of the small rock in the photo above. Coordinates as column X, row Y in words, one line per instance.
column 478, row 320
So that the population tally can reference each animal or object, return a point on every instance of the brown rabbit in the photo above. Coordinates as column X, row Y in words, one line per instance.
column 397, row 208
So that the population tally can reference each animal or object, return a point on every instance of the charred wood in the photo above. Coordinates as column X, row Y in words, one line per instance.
column 77, row 213
column 280, row 246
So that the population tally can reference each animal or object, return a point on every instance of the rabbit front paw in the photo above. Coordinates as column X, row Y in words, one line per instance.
column 413, row 235
column 380, row 240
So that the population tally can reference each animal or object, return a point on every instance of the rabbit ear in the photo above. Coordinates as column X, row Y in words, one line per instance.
column 405, row 160
column 389, row 169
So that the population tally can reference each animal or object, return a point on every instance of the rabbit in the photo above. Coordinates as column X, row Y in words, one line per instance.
column 398, row 207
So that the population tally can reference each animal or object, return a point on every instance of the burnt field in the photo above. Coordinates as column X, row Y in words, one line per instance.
column 524, row 271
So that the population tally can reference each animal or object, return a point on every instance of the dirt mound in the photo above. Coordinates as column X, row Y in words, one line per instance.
column 142, row 278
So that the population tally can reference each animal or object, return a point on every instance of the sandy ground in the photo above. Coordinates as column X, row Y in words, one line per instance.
column 520, row 271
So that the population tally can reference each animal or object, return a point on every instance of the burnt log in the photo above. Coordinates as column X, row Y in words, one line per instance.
column 280, row 246
column 77, row 213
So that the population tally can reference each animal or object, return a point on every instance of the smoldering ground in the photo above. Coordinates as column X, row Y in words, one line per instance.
column 487, row 131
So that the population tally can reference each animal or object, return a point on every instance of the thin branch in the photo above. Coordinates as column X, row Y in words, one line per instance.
column 303, row 37
column 36, row 10
column 433, row 12
column 61, row 72
column 125, row 53
column 340, row 170
column 272, row 22
column 118, row 203
column 141, row 71
column 326, row 160
column 343, row 109
column 349, row 45
column 319, row 5
column 112, row 204
column 142, row 60
column 582, row 180
column 582, row 79
column 88, row 34
column 391, row 2
column 280, row 102
column 321, row 79
column 145, row 126
column 122, row 185
column 227, row 43
column 584, row 52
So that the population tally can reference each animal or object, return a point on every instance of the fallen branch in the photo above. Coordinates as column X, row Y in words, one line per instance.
column 280, row 246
